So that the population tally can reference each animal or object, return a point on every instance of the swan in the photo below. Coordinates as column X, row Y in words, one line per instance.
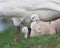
column 56, row 25
column 40, row 27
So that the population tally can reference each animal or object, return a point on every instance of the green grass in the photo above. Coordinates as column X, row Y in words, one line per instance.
column 46, row 41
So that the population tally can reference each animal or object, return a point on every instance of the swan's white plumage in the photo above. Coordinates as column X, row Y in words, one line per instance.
column 25, row 8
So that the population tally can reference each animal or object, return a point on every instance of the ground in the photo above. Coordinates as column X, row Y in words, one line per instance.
column 46, row 41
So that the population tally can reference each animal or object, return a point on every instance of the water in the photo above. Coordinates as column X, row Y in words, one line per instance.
column 4, row 26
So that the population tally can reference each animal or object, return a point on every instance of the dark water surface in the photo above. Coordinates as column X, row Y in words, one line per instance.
column 5, row 25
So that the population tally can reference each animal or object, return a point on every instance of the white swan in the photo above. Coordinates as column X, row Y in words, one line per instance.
column 23, row 9
column 20, row 8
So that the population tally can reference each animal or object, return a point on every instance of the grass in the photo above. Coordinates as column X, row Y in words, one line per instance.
column 46, row 41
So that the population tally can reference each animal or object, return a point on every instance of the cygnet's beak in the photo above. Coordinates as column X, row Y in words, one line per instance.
column 31, row 21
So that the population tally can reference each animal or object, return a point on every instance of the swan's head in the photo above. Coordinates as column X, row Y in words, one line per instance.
column 34, row 17
column 25, row 30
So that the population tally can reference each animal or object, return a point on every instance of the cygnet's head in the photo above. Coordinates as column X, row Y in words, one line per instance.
column 34, row 17
column 25, row 30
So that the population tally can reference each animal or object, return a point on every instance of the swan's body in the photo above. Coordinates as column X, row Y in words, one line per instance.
column 25, row 8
